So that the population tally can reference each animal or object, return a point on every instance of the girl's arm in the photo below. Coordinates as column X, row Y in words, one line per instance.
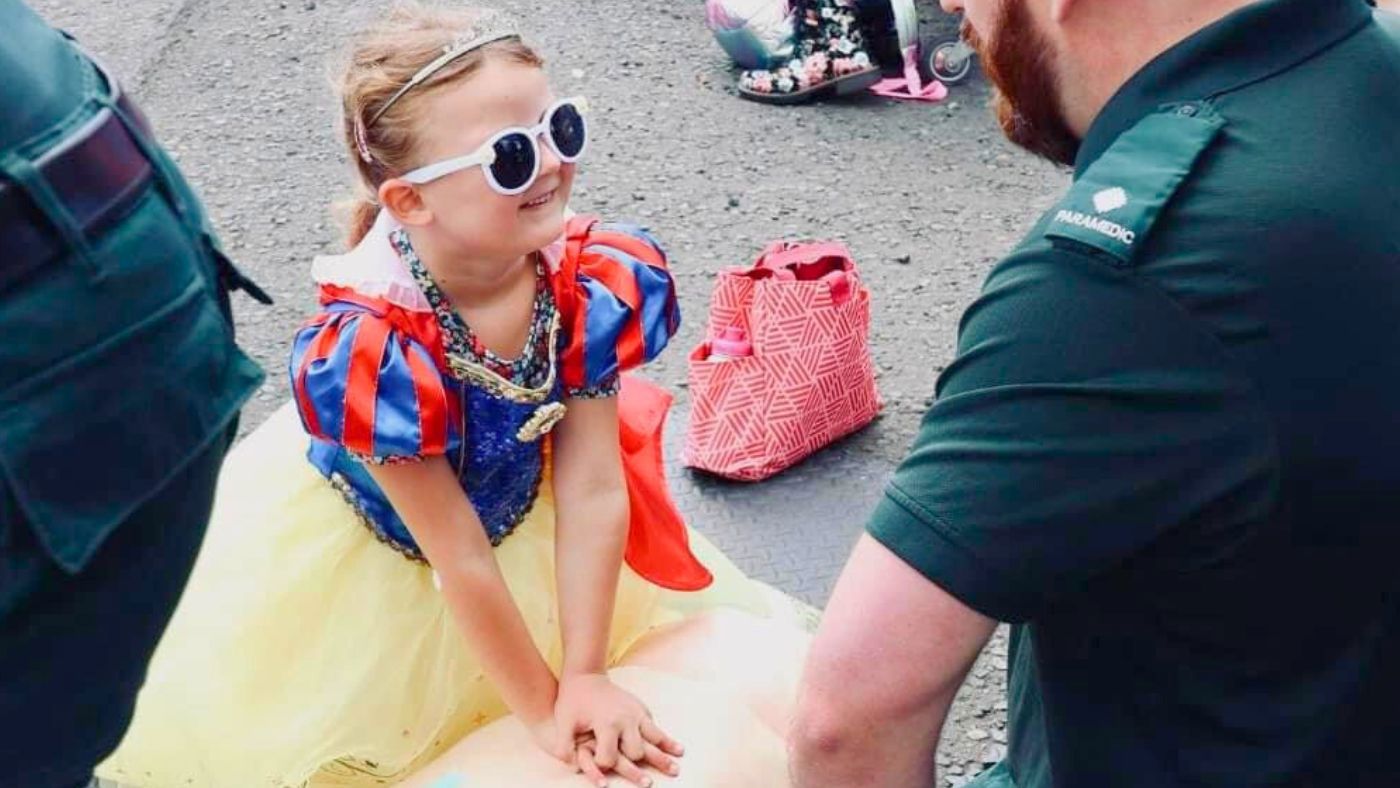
column 590, row 495
column 429, row 499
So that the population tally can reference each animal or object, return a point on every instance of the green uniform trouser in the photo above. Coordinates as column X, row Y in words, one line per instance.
column 120, row 384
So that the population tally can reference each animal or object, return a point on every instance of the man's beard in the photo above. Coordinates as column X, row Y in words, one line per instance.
column 1021, row 65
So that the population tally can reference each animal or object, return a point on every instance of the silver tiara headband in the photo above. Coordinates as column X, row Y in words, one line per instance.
column 492, row 29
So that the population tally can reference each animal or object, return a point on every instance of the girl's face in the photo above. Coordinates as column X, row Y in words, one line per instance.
column 465, row 210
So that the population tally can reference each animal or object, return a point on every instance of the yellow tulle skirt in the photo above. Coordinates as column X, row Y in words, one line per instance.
column 306, row 651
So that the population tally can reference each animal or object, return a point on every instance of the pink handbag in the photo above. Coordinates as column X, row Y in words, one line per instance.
column 786, row 368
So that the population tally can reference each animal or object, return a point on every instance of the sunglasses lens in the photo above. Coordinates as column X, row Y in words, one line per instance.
column 568, row 131
column 515, row 162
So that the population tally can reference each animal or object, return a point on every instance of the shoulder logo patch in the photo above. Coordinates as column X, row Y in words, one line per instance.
column 1113, row 205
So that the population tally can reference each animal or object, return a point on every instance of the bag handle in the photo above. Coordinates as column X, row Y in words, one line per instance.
column 782, row 254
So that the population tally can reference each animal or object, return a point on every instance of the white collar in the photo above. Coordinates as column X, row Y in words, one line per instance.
column 373, row 268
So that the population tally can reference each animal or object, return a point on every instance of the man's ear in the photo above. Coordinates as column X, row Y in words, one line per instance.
column 1061, row 9
column 404, row 202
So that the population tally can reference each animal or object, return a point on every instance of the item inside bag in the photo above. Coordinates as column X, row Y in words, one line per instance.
column 832, row 270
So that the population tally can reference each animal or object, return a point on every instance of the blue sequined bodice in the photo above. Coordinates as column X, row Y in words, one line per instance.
column 500, row 472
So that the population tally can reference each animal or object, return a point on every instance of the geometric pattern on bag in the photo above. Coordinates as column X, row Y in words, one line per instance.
column 810, row 380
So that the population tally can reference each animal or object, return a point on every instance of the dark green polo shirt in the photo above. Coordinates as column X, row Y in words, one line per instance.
column 1169, row 447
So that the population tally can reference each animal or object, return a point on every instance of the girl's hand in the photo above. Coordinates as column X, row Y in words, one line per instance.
column 610, row 730
column 545, row 734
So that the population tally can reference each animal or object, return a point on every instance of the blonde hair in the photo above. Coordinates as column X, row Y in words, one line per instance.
column 383, row 58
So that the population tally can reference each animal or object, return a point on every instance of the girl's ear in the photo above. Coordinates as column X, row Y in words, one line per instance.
column 403, row 200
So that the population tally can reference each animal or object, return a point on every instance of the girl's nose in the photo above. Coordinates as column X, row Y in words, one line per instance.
column 549, row 161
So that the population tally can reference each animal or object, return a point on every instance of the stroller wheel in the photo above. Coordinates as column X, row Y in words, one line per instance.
column 950, row 61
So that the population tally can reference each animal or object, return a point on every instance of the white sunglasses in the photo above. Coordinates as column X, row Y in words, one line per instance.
column 510, row 159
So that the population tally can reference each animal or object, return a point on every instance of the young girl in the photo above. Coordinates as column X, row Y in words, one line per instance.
column 451, row 547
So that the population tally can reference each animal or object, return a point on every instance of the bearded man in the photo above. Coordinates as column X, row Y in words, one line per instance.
column 1168, row 450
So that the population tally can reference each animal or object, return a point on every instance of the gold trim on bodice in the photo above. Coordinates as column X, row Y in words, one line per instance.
column 547, row 415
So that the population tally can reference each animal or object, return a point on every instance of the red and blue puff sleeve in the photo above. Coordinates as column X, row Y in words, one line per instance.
column 362, row 382
column 617, row 302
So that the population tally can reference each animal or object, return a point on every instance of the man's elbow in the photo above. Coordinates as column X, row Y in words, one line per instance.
column 826, row 741
column 842, row 726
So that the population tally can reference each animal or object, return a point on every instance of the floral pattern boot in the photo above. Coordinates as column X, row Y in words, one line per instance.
column 830, row 58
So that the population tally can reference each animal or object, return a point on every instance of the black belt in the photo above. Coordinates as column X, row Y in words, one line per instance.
column 98, row 173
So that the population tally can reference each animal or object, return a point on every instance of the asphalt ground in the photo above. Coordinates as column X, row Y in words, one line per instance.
column 928, row 197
